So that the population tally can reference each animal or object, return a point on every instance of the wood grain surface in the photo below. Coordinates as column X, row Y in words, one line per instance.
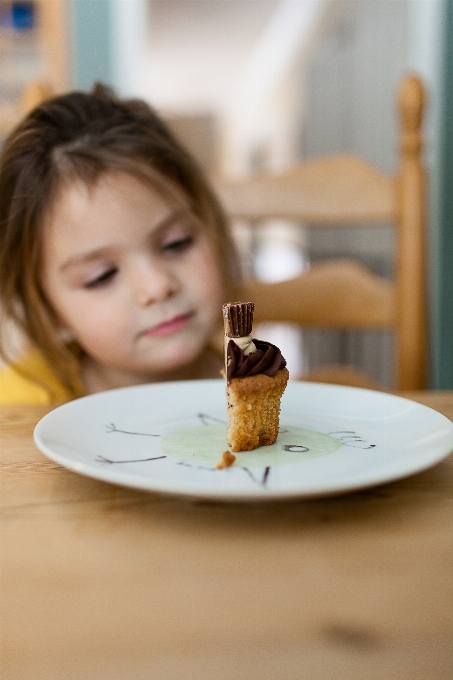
column 100, row 582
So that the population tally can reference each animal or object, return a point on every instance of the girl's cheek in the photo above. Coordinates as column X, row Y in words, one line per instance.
column 211, row 278
column 97, row 317
column 207, row 266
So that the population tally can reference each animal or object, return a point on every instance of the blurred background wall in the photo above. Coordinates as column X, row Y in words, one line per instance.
column 256, row 84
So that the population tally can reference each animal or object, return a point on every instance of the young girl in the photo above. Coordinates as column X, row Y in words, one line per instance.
column 115, row 256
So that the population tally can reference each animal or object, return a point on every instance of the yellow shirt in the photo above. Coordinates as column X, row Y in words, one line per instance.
column 17, row 389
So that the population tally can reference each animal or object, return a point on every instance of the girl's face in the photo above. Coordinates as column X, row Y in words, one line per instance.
column 134, row 279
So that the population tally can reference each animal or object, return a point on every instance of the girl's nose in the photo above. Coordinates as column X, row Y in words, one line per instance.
column 154, row 284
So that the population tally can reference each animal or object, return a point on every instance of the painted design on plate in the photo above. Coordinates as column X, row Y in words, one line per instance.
column 352, row 439
column 202, row 446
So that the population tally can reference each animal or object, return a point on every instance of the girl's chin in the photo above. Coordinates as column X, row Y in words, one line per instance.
column 178, row 362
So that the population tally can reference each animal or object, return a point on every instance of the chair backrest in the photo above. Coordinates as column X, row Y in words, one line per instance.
column 343, row 294
column 33, row 93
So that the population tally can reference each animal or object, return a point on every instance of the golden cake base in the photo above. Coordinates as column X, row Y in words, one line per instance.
column 254, row 409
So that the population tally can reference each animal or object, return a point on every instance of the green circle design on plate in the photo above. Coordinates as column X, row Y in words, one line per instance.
column 202, row 445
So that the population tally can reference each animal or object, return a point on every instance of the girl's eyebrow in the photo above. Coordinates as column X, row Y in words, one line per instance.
column 105, row 250
column 84, row 257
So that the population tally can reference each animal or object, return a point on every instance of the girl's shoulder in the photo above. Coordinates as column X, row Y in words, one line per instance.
column 44, row 388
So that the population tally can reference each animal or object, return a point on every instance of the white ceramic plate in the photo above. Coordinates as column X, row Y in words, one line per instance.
column 168, row 437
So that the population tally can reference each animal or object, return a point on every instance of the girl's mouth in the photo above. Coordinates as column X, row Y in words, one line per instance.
column 173, row 325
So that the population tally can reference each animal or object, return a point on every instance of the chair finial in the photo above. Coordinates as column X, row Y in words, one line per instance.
column 411, row 101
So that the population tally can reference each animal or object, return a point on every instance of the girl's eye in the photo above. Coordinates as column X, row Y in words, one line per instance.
column 102, row 279
column 178, row 245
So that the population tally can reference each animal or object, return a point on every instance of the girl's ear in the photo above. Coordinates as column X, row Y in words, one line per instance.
column 66, row 335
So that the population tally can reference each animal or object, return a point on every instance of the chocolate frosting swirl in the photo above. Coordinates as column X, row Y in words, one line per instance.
column 267, row 359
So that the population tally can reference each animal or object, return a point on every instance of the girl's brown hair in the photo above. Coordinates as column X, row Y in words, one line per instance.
column 80, row 136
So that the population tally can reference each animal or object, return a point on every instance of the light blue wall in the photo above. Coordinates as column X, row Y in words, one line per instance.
column 443, row 320
column 110, row 38
column 92, row 42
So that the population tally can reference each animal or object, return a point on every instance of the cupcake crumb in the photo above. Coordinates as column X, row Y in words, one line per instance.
column 227, row 460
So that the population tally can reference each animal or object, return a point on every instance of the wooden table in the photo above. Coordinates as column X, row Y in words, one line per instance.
column 105, row 583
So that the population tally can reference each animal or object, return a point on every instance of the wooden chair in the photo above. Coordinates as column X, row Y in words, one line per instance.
column 33, row 93
column 343, row 294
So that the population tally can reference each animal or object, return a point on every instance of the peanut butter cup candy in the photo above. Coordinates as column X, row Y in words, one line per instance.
column 238, row 318
column 256, row 377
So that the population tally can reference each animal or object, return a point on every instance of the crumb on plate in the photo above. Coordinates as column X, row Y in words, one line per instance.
column 227, row 460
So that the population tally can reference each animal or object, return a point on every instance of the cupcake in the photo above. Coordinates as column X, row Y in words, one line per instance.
column 256, row 377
